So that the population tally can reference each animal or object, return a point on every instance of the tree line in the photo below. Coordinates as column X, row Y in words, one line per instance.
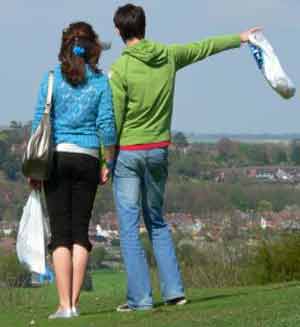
column 191, row 187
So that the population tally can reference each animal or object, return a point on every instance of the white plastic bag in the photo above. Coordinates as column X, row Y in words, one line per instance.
column 270, row 66
column 32, row 235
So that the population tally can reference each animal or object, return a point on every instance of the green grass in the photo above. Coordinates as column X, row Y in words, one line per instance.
column 269, row 306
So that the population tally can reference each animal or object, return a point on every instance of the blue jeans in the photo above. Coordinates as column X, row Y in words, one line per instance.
column 139, row 183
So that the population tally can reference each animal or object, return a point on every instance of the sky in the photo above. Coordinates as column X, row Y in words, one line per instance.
column 222, row 94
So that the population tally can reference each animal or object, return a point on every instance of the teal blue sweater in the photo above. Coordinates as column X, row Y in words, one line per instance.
column 81, row 115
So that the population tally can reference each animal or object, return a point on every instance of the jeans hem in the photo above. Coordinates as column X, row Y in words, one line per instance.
column 173, row 297
column 139, row 307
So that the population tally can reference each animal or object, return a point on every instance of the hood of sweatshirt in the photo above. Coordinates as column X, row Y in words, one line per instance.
column 150, row 53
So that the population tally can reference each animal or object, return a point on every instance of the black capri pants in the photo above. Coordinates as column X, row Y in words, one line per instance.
column 70, row 194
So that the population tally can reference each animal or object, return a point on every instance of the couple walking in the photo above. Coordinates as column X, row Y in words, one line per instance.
column 129, row 116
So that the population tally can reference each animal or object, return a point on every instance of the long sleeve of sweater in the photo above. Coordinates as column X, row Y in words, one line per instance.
column 188, row 54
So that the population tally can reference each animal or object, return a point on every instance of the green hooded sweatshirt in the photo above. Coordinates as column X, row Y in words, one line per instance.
column 143, row 81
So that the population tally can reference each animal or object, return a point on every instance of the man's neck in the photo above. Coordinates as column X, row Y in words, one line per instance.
column 133, row 41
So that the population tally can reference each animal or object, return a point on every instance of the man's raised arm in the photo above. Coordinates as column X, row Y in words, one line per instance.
column 188, row 54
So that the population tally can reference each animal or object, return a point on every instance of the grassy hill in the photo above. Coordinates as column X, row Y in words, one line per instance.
column 270, row 306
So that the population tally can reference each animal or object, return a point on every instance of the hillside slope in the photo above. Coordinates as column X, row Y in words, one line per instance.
column 270, row 306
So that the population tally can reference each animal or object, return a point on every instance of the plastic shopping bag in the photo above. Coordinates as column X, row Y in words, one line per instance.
column 270, row 66
column 33, row 235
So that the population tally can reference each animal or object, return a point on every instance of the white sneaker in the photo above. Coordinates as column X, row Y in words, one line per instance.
column 75, row 312
column 177, row 301
column 61, row 314
column 124, row 308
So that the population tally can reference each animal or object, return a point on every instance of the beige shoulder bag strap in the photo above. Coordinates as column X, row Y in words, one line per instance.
column 48, row 105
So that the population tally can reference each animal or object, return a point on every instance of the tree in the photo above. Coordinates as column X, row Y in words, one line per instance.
column 88, row 281
column 227, row 149
column 11, row 168
column 280, row 155
column 180, row 140
column 260, row 154
column 295, row 155
column 97, row 256
column 4, row 151
column 15, row 125
column 263, row 206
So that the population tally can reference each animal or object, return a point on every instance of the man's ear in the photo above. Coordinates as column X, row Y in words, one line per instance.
column 117, row 31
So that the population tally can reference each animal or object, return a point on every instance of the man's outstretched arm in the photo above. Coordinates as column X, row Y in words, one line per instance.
column 188, row 54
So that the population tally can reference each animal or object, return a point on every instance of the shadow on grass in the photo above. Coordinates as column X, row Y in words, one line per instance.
column 96, row 313
column 278, row 287
column 218, row 297
column 202, row 299
column 261, row 289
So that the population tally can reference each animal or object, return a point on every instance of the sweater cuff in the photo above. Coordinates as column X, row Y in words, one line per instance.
column 234, row 40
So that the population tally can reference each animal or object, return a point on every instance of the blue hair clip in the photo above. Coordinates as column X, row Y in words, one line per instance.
column 78, row 51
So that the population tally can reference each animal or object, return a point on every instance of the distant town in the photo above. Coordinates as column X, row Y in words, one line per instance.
column 220, row 187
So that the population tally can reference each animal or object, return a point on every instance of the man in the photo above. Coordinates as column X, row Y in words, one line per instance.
column 143, row 81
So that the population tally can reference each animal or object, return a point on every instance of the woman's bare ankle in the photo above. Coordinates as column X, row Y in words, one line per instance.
column 64, row 306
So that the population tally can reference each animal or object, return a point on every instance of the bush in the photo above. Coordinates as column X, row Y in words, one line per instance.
column 278, row 260
column 97, row 257
column 264, row 205
column 115, row 242
column 88, row 282
column 207, row 264
column 222, row 264
column 231, row 263
column 12, row 273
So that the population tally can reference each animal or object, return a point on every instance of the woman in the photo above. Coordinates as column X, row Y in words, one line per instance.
column 82, row 119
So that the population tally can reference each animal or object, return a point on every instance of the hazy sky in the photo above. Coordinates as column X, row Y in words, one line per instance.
column 225, row 93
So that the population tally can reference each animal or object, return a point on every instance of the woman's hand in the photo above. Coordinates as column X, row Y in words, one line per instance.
column 106, row 169
column 245, row 35
column 34, row 184
column 104, row 175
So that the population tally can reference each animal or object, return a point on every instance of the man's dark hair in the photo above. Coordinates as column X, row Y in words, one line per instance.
column 130, row 21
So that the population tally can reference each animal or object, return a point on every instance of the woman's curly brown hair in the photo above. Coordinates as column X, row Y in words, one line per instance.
column 73, row 66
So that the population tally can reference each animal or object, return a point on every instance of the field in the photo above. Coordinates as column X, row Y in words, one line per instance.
column 269, row 306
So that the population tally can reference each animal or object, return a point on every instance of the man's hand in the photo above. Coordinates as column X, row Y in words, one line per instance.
column 104, row 175
column 34, row 184
column 245, row 35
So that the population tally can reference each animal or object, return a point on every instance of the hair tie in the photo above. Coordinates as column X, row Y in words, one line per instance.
column 78, row 51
